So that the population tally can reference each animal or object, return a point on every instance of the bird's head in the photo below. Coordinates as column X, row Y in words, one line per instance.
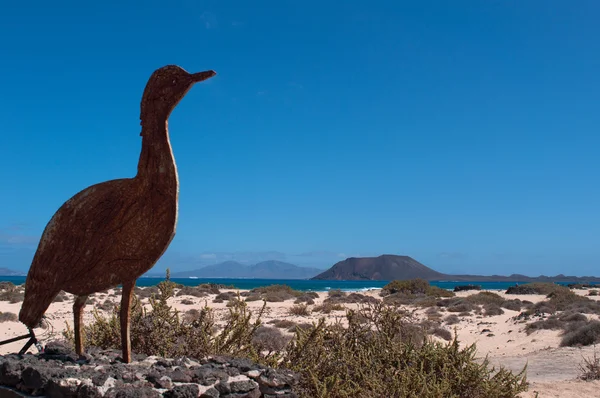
column 166, row 87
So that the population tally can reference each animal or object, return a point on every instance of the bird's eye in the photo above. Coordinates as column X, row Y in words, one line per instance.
column 174, row 81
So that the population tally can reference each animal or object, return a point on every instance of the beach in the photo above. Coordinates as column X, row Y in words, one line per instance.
column 552, row 371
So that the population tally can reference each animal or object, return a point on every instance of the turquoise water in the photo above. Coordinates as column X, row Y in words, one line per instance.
column 298, row 284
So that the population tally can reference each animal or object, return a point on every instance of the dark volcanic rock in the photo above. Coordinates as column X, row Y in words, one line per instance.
column 522, row 289
column 57, row 373
column 462, row 288
column 183, row 391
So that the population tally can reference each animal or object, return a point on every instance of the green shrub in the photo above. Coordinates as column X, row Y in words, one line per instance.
column 413, row 287
column 383, row 358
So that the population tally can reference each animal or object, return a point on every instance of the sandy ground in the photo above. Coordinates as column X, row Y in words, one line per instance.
column 551, row 370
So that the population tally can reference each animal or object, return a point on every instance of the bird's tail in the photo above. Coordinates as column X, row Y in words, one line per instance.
column 35, row 304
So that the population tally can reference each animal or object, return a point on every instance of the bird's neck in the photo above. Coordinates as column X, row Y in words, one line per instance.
column 157, row 163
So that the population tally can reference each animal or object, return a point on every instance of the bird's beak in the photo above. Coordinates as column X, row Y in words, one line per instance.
column 200, row 76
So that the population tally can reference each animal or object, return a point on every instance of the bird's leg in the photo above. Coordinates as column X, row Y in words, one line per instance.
column 78, row 321
column 125, row 320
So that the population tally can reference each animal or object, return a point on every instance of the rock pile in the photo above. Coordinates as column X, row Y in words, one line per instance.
column 58, row 372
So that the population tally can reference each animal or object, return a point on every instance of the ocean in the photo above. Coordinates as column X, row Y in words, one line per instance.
column 299, row 284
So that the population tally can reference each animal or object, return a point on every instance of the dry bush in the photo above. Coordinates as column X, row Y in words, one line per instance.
column 492, row 309
column 7, row 286
column 452, row 319
column 277, row 293
column 226, row 296
column 60, row 297
column 513, row 305
column 336, row 293
column 106, row 305
column 145, row 292
column 195, row 291
column 459, row 305
column 327, row 308
column 300, row 326
column 593, row 293
column 253, row 297
column 187, row 302
column 352, row 298
column 299, row 310
column 590, row 369
column 587, row 334
column 484, row 298
column 546, row 324
column 12, row 296
column 565, row 300
column 282, row 323
column 269, row 339
column 307, row 298
column 8, row 317
column 442, row 333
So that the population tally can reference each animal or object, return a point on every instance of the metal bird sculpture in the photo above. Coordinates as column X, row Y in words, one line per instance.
column 111, row 233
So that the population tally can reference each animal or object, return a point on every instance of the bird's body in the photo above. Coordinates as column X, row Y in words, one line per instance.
column 113, row 232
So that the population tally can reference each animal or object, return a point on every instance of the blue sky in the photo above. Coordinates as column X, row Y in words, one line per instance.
column 462, row 134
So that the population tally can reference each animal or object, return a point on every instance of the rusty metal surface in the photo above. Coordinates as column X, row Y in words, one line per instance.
column 113, row 232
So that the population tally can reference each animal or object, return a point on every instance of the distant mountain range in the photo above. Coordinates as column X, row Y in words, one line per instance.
column 264, row 270
column 390, row 267
column 10, row 272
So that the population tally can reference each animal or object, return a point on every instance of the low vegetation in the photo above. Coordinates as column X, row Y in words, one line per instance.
column 412, row 292
column 381, row 351
column 586, row 334
column 299, row 310
column 590, row 368
column 8, row 317
column 276, row 293
column 535, row 288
